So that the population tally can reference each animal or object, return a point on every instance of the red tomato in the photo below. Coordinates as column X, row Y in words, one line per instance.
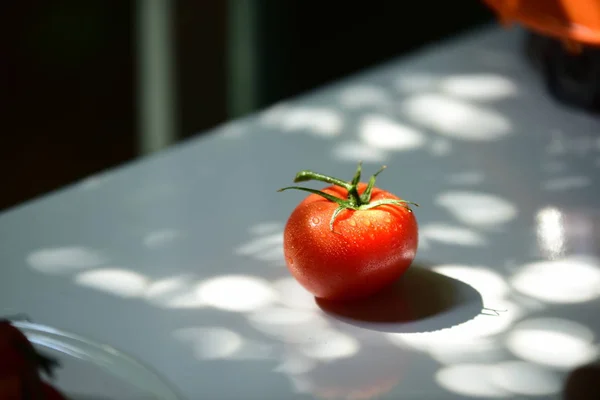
column 349, row 240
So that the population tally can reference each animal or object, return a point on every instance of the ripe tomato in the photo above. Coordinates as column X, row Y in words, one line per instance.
column 349, row 240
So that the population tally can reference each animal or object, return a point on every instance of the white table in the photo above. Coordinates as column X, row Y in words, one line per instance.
column 176, row 258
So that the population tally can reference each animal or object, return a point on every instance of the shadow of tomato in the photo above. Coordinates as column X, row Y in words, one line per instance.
column 422, row 300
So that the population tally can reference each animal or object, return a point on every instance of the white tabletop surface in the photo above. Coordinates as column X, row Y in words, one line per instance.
column 176, row 259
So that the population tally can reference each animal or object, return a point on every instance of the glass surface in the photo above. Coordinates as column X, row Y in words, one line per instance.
column 90, row 370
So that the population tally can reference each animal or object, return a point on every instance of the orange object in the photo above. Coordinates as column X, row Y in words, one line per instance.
column 575, row 22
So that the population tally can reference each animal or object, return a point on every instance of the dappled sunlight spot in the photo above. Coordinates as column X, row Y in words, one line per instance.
column 352, row 379
column 417, row 341
column 328, row 344
column 557, row 145
column 475, row 208
column 210, row 343
column 64, row 259
column 490, row 284
column 117, row 281
column 301, row 384
column 284, row 316
column 552, row 342
column 415, row 82
column 266, row 245
column 91, row 183
column 295, row 364
column 274, row 254
column 185, row 300
column 354, row 150
column 218, row 343
column 274, row 114
column 471, row 351
column 266, row 228
column 500, row 380
column 467, row 178
column 566, row 143
column 320, row 121
column 566, row 183
column 456, row 118
column 524, row 378
column 289, row 325
column 260, row 244
column 483, row 87
column 161, row 238
column 488, row 324
column 175, row 292
column 424, row 244
column 528, row 304
column 451, row 235
column 165, row 286
column 473, row 380
column 385, row 133
column 440, row 147
column 554, row 167
column 364, row 96
column 474, row 340
column 232, row 130
column 569, row 280
column 294, row 296
column 238, row 293
column 480, row 327
column 255, row 350
column 499, row 318
column 551, row 232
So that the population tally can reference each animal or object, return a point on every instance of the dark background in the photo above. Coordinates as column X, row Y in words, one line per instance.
column 68, row 70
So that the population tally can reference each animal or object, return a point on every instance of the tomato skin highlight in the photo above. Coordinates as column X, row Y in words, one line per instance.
column 367, row 250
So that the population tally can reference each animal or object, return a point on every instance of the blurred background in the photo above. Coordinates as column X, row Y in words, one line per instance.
column 88, row 85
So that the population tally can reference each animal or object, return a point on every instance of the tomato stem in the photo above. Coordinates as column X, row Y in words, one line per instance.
column 328, row 196
column 308, row 175
column 354, row 201
column 356, row 178
column 366, row 196
column 336, row 212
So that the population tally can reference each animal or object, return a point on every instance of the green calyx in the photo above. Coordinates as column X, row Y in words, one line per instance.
column 354, row 201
